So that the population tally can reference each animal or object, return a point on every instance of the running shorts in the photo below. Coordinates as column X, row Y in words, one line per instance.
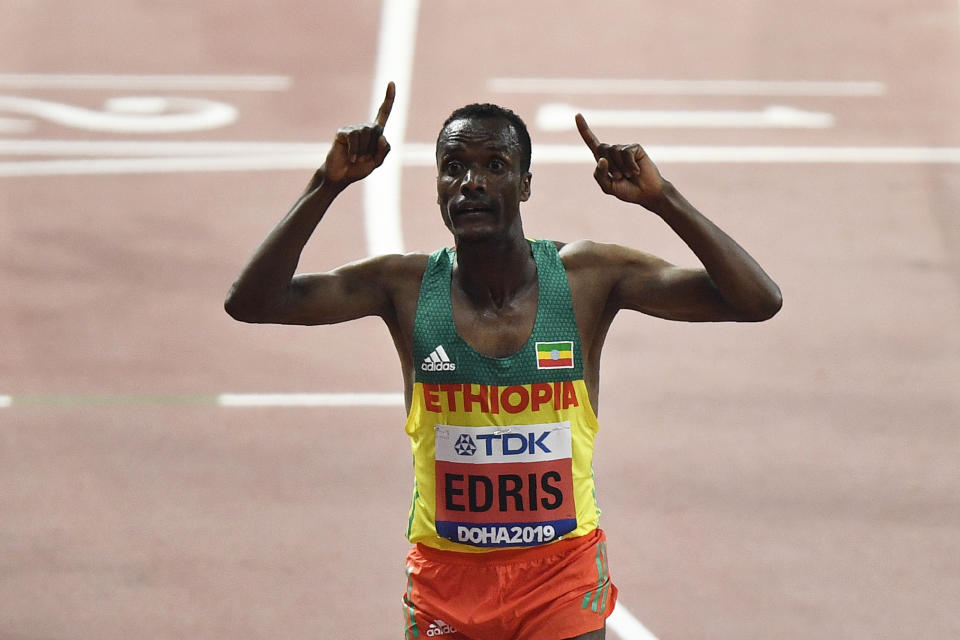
column 549, row 592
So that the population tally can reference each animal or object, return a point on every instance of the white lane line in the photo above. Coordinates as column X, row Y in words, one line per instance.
column 223, row 400
column 15, row 125
column 382, row 189
column 804, row 155
column 627, row 626
column 154, row 148
column 174, row 164
column 294, row 155
column 310, row 400
column 556, row 116
column 641, row 86
column 422, row 155
column 126, row 81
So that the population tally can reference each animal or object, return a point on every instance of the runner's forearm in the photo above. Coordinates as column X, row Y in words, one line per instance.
column 737, row 276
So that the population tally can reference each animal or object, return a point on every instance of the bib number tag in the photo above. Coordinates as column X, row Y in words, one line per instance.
column 505, row 486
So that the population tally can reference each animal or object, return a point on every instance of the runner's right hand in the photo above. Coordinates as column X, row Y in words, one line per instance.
column 359, row 149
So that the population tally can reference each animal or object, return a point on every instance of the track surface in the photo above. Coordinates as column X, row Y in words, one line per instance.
column 794, row 479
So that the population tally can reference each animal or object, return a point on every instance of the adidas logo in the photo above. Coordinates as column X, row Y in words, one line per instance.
column 439, row 628
column 438, row 360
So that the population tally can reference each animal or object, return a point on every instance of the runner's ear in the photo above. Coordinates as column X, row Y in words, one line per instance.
column 525, row 187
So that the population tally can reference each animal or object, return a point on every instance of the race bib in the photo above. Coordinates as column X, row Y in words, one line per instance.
column 504, row 486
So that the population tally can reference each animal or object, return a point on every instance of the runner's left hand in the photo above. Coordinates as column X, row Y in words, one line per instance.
column 624, row 171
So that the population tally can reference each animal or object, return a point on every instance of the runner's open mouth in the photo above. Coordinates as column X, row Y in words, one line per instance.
column 472, row 207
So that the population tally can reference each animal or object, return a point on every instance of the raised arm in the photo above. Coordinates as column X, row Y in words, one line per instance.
column 267, row 289
column 731, row 285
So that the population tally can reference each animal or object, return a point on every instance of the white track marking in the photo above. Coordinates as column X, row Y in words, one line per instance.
column 223, row 400
column 423, row 154
column 155, row 148
column 626, row 626
column 640, row 86
column 278, row 157
column 124, row 82
column 129, row 114
column 382, row 189
column 560, row 117
column 813, row 155
column 15, row 125
column 310, row 400
column 173, row 164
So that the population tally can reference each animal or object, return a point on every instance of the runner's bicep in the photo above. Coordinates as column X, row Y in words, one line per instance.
column 343, row 294
column 661, row 289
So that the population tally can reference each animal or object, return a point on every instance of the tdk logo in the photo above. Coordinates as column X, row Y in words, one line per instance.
column 513, row 444
column 465, row 445
column 438, row 360
column 510, row 445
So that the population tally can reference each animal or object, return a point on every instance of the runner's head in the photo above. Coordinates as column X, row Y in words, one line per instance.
column 483, row 162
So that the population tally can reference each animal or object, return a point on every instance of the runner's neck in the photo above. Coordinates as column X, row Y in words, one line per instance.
column 493, row 275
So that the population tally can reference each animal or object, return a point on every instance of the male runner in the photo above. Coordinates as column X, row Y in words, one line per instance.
column 499, row 339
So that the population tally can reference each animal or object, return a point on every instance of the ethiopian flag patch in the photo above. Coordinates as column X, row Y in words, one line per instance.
column 555, row 355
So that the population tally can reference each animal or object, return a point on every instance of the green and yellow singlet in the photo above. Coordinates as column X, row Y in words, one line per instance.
column 502, row 447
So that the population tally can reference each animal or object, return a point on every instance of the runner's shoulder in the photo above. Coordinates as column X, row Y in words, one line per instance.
column 405, row 263
column 397, row 268
column 587, row 254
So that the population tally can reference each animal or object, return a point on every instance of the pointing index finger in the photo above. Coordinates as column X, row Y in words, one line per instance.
column 587, row 135
column 387, row 105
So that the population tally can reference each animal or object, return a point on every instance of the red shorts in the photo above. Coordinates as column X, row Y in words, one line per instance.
column 551, row 592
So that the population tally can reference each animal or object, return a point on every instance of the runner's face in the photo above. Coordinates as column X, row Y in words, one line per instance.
column 480, row 184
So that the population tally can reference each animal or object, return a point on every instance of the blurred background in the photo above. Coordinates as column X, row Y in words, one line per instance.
column 166, row 472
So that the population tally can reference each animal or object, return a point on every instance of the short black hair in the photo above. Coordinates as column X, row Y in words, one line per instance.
column 478, row 111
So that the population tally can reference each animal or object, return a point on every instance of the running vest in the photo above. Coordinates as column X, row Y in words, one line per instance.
column 502, row 447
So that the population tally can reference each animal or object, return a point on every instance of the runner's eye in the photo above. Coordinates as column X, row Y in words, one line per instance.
column 453, row 168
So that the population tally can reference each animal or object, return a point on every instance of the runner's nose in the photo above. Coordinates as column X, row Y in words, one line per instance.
column 472, row 181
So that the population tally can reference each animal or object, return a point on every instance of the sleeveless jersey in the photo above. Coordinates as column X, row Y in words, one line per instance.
column 502, row 447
